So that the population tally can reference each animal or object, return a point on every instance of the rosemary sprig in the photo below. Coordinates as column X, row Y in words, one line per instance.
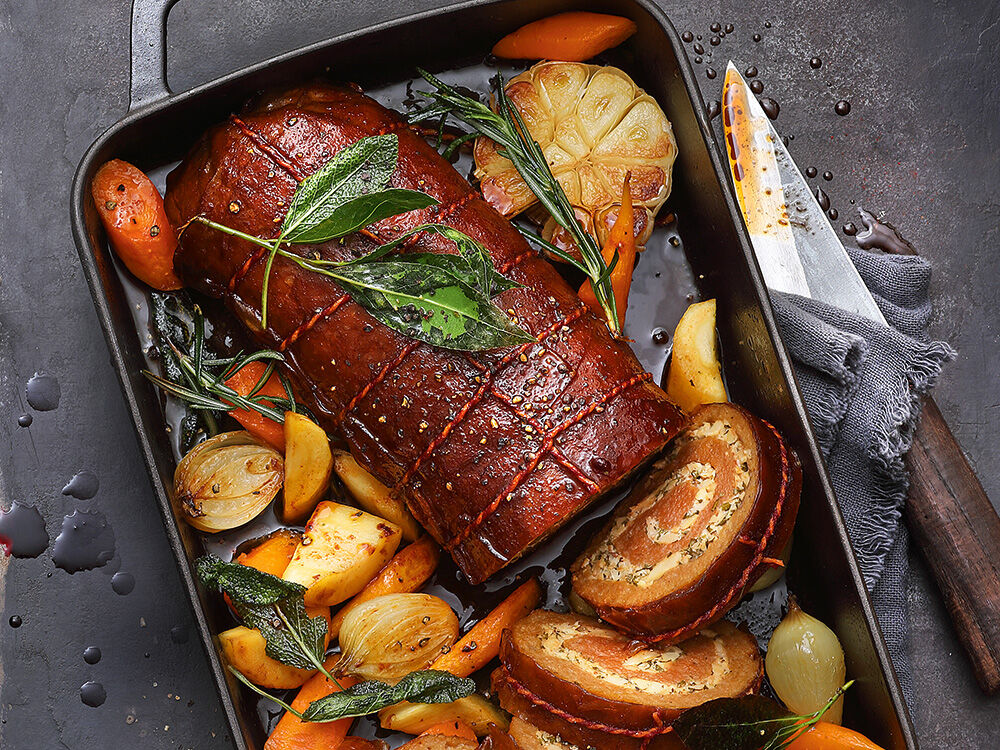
column 507, row 129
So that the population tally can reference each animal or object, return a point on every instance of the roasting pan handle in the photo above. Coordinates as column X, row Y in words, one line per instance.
column 149, row 52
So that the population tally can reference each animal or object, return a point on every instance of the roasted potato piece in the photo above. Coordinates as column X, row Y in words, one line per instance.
column 342, row 549
column 308, row 463
column 243, row 649
column 695, row 376
column 414, row 718
column 440, row 742
column 374, row 496
column 593, row 124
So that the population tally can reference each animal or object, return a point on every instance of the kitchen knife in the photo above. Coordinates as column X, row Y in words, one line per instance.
column 951, row 518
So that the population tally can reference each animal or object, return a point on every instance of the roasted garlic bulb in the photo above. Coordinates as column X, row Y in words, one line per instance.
column 594, row 125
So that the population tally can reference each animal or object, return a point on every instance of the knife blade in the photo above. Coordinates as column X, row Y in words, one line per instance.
column 796, row 248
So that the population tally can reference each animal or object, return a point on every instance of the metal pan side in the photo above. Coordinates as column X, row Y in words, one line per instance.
column 716, row 242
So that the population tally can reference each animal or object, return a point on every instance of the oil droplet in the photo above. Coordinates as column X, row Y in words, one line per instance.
column 757, row 86
column 883, row 236
column 660, row 336
column 822, row 199
column 122, row 583
column 842, row 107
column 750, row 72
column 15, row 621
column 710, row 72
column 24, row 529
column 687, row 36
column 93, row 694
column 828, row 175
column 92, row 654
column 770, row 107
column 42, row 392
column 810, row 171
column 815, row 63
column 714, row 108
column 179, row 634
column 849, row 229
column 85, row 542
column 24, row 420
column 82, row 486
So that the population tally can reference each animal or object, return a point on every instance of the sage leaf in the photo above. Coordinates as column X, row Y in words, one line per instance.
column 424, row 686
column 358, row 212
column 274, row 606
column 426, row 296
column 364, row 166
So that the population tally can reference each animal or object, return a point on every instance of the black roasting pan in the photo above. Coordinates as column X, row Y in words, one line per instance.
column 160, row 126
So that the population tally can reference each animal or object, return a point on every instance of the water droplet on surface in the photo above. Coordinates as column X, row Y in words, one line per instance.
column 122, row 583
column 714, row 108
column 687, row 36
column 849, row 229
column 660, row 336
column 698, row 49
column 828, row 175
column 715, row 27
column 93, row 694
column 770, row 107
column 729, row 28
column 750, row 72
column 767, row 24
column 83, row 485
column 842, row 107
column 179, row 634
column 822, row 199
column 710, row 72
column 715, row 41
column 757, row 86
column 815, row 63
column 24, row 420
column 697, row 60
column 85, row 542
column 15, row 621
column 42, row 392
column 833, row 214
column 756, row 37
column 24, row 529
column 810, row 171
column 92, row 654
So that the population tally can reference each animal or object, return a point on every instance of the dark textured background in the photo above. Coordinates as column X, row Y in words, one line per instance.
column 920, row 144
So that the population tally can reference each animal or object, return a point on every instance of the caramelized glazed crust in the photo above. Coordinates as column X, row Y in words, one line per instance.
column 492, row 451
column 592, row 678
column 704, row 524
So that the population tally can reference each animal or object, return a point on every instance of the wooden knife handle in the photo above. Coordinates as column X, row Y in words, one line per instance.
column 958, row 531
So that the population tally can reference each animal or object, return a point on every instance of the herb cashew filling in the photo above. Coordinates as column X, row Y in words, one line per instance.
column 612, row 564
column 555, row 641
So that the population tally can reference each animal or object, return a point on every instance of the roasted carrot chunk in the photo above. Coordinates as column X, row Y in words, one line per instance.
column 131, row 210
column 481, row 644
column 570, row 37
column 244, row 381
column 273, row 554
column 622, row 239
column 293, row 734
column 824, row 735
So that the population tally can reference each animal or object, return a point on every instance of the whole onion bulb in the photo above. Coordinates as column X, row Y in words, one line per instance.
column 227, row 481
column 805, row 664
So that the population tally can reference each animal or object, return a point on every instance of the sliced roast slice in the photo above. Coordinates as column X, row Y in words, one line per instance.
column 697, row 532
column 577, row 678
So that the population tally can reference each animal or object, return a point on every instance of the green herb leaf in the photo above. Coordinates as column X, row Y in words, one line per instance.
column 425, row 686
column 362, row 167
column 272, row 605
column 426, row 296
column 358, row 212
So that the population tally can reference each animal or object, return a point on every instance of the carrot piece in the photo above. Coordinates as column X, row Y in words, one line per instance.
column 571, row 37
column 450, row 729
column 293, row 734
column 272, row 555
column 824, row 735
column 243, row 381
column 622, row 239
column 481, row 644
column 403, row 574
column 131, row 210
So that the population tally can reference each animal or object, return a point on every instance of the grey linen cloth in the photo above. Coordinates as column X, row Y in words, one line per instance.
column 862, row 383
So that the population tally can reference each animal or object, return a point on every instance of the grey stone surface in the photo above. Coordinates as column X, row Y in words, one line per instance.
column 920, row 144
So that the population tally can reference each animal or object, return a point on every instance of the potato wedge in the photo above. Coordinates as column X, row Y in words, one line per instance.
column 414, row 718
column 342, row 549
column 695, row 376
column 374, row 496
column 243, row 649
column 308, row 463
